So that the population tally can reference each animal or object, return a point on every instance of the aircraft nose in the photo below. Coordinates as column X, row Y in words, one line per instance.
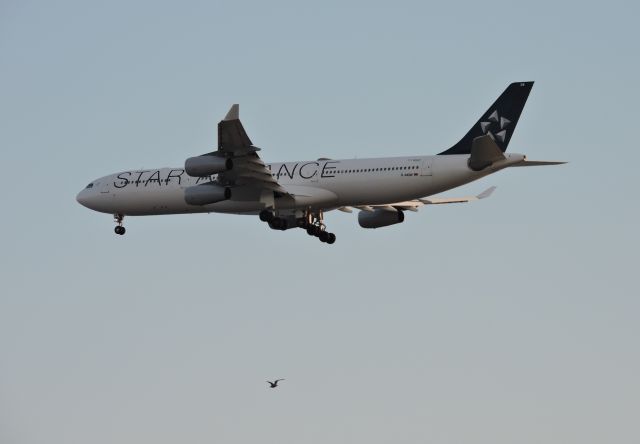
column 83, row 198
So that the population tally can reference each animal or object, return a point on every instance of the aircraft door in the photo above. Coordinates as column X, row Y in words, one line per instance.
column 426, row 167
column 105, row 187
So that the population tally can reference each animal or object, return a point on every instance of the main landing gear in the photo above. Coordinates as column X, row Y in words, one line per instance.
column 318, row 229
column 312, row 223
column 119, row 229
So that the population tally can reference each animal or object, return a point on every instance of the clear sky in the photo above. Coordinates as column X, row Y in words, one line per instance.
column 511, row 320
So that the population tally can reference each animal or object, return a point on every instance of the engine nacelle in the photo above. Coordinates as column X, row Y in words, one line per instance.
column 206, row 193
column 206, row 165
column 379, row 218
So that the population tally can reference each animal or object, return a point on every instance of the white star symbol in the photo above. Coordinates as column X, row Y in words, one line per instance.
column 494, row 120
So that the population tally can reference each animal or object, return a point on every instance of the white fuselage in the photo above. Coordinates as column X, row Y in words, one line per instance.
column 317, row 184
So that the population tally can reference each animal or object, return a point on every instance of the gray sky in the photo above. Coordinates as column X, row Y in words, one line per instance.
column 508, row 320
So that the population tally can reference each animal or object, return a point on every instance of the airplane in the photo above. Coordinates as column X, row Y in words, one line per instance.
column 235, row 179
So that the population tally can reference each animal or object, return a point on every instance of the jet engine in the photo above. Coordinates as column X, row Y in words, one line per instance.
column 206, row 193
column 380, row 218
column 206, row 165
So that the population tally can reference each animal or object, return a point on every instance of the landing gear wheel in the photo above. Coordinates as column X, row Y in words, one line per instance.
column 311, row 230
column 277, row 223
column 332, row 238
column 266, row 216
column 323, row 236
column 119, row 229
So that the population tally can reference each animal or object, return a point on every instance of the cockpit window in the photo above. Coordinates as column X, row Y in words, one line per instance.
column 90, row 185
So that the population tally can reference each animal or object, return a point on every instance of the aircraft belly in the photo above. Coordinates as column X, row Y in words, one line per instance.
column 150, row 201
column 453, row 171
column 306, row 197
column 235, row 207
column 171, row 201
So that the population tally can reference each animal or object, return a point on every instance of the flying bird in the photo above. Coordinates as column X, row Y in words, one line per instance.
column 274, row 384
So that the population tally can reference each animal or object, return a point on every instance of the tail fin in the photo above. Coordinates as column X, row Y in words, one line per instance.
column 499, row 121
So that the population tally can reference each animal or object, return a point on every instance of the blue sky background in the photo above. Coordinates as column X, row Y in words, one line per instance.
column 514, row 319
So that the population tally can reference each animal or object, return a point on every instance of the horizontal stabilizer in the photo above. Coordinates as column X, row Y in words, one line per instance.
column 531, row 163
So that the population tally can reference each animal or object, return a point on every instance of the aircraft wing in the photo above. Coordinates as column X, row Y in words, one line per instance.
column 415, row 204
column 248, row 167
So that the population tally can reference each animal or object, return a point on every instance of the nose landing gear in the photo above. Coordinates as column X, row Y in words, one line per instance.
column 119, row 229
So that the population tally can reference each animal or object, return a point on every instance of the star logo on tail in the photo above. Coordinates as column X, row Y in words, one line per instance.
column 495, row 126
